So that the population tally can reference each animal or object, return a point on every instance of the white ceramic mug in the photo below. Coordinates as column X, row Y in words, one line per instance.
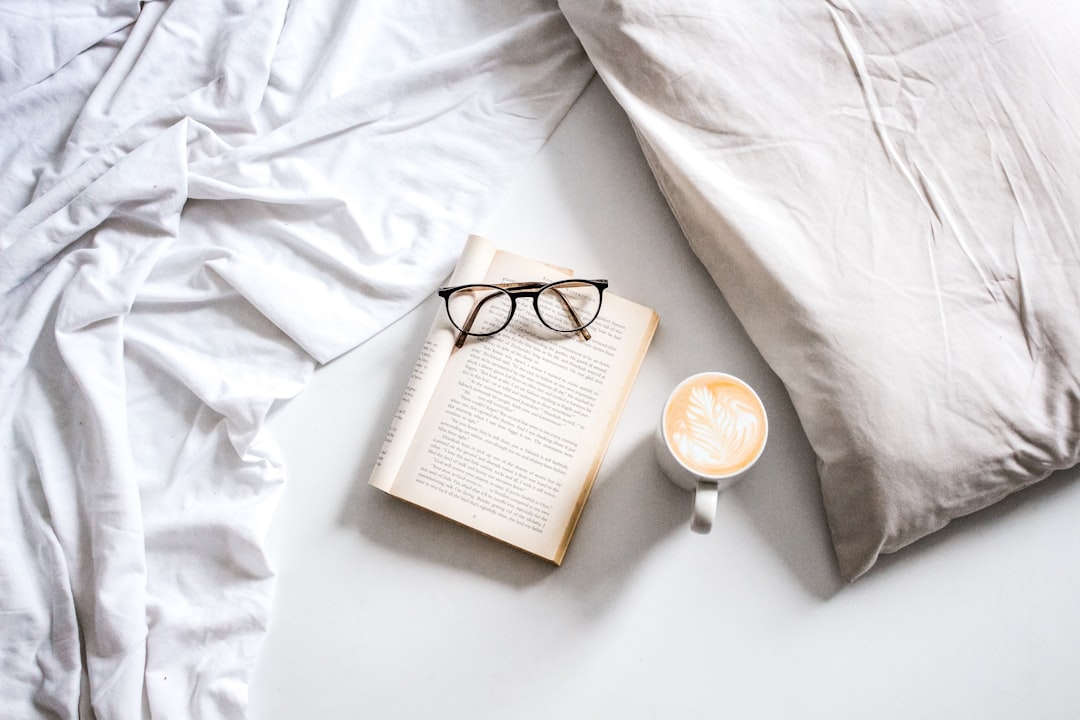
column 712, row 430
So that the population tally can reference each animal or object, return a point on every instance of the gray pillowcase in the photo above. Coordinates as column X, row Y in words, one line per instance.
column 888, row 197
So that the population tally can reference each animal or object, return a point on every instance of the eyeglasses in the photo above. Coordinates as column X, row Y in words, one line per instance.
column 565, row 306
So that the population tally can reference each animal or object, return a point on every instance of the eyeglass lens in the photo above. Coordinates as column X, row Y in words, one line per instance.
column 480, row 310
column 569, row 305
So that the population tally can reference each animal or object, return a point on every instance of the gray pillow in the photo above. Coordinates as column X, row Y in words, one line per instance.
column 888, row 196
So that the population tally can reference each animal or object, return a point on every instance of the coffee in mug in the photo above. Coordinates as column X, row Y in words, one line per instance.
column 713, row 428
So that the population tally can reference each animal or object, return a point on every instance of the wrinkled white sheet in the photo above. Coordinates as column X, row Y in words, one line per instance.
column 199, row 201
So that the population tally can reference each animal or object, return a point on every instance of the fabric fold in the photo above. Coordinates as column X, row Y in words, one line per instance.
column 201, row 202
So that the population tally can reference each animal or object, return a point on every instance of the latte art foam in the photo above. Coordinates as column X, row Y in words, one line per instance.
column 715, row 425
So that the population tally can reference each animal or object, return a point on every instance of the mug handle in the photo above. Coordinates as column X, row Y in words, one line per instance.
column 705, row 496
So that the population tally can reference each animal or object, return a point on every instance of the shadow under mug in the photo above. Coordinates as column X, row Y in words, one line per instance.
column 731, row 419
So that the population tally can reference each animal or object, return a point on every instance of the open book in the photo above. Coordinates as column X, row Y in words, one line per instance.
column 505, row 433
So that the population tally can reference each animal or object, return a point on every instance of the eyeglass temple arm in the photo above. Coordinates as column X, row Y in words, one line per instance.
column 573, row 314
column 467, row 325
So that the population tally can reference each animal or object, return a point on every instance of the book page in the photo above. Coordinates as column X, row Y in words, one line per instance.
column 472, row 267
column 515, row 431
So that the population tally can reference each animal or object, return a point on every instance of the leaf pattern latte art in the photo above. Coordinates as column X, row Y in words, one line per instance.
column 718, row 432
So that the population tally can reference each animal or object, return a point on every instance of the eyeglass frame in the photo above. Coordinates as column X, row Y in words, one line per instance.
column 515, row 290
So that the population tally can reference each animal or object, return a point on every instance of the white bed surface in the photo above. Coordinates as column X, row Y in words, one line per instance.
column 383, row 610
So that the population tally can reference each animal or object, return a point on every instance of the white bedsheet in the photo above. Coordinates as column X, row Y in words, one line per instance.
column 199, row 201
